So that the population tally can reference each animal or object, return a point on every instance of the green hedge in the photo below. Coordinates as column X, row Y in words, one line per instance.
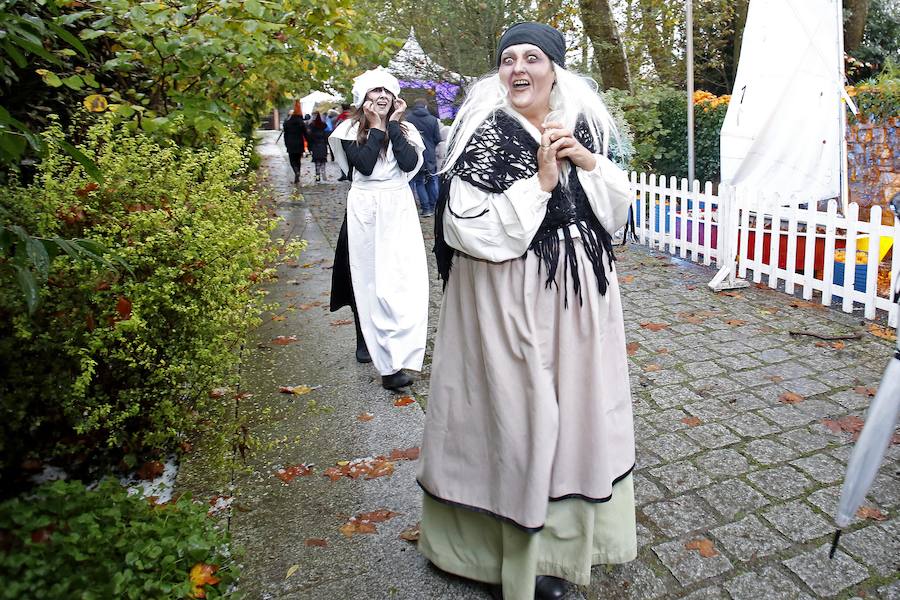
column 117, row 361
column 67, row 542
column 658, row 120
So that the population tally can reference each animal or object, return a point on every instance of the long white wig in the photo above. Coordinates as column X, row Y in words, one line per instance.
column 572, row 95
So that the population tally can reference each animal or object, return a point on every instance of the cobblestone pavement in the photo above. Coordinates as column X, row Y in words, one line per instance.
column 740, row 453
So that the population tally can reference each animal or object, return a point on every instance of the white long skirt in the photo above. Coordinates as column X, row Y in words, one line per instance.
column 389, row 272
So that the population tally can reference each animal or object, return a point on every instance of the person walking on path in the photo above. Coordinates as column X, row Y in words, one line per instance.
column 425, row 180
column 528, row 446
column 318, row 145
column 294, row 131
column 380, row 269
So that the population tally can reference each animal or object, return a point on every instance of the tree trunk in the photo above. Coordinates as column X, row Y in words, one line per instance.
column 855, row 23
column 609, row 54
column 660, row 54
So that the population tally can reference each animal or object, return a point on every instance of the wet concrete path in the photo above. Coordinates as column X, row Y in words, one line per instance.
column 727, row 459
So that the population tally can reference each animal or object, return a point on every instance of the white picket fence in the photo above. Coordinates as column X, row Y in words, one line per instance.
column 702, row 227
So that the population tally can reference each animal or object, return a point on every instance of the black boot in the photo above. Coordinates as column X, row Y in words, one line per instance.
column 362, row 352
column 296, row 176
column 547, row 587
column 395, row 381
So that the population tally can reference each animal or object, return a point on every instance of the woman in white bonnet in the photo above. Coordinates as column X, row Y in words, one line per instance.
column 528, row 447
column 380, row 269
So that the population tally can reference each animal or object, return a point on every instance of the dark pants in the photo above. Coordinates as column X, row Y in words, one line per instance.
column 295, row 160
column 426, row 186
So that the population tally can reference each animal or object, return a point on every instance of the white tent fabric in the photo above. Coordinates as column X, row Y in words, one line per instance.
column 411, row 63
column 782, row 132
column 308, row 102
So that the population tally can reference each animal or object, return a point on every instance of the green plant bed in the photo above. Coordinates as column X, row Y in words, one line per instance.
column 68, row 542
column 115, row 363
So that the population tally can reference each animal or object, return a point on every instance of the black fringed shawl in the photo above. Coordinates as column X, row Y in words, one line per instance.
column 502, row 152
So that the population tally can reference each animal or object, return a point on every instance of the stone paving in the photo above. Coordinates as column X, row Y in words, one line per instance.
column 735, row 458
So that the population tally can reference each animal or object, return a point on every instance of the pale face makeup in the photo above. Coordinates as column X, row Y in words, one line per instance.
column 382, row 100
column 528, row 75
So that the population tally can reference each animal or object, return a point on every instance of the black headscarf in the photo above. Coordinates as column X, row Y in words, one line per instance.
column 543, row 36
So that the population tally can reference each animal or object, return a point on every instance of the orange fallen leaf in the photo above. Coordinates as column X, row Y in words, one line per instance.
column 297, row 390
column 309, row 305
column 370, row 467
column 884, row 333
column 735, row 322
column 340, row 322
column 632, row 348
column 806, row 304
column 287, row 474
column 652, row 367
column 849, row 424
column 282, row 340
column 243, row 396
column 410, row 534
column 775, row 378
column 404, row 401
column 123, row 307
column 871, row 513
column 279, row 318
column 351, row 528
column 703, row 546
column 691, row 421
column 408, row 454
column 627, row 278
column 790, row 398
column 731, row 294
column 202, row 574
column 377, row 516
column 366, row 416
column 333, row 473
column 865, row 391
column 380, row 468
column 662, row 351
column 654, row 326
column 316, row 542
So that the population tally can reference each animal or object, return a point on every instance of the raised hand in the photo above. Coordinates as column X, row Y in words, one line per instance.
column 564, row 145
column 399, row 109
column 372, row 117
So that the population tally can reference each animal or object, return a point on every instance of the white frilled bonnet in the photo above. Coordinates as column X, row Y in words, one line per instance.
column 378, row 77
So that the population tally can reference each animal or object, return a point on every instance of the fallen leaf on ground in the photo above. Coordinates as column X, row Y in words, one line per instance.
column 731, row 294
column 287, row 474
column 297, row 390
column 837, row 345
column 691, row 421
column 790, row 398
column 366, row 416
column 218, row 392
column 632, row 348
column 283, row 340
column 351, row 528
column 662, row 351
column 408, row 454
column 884, row 333
column 652, row 367
column 340, row 322
column 806, row 304
column 279, row 318
column 365, row 522
column 202, row 574
column 371, row 467
column 309, row 305
column 849, row 424
column 291, row 570
column 735, row 322
column 865, row 391
column 243, row 396
column 775, row 378
column 410, row 534
column 654, row 326
column 871, row 513
column 696, row 317
column 377, row 516
column 404, row 401
column 316, row 542
column 769, row 310
column 627, row 278
column 703, row 546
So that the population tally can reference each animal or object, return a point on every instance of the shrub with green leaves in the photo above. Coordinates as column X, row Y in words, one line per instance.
column 117, row 360
column 68, row 542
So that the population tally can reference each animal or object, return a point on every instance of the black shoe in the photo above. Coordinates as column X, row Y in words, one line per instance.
column 495, row 590
column 547, row 587
column 362, row 353
column 395, row 381
column 296, row 177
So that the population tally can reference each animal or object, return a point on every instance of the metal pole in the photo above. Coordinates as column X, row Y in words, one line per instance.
column 842, row 142
column 689, row 59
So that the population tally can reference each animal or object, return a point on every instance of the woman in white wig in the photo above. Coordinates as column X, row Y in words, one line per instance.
column 528, row 446
column 380, row 269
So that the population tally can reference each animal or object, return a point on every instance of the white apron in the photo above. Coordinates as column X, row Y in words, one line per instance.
column 388, row 266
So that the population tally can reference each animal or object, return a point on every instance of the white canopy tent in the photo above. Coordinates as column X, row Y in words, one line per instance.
column 784, row 130
column 308, row 102
column 412, row 63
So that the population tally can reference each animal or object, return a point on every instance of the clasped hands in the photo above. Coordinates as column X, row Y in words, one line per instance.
column 558, row 143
